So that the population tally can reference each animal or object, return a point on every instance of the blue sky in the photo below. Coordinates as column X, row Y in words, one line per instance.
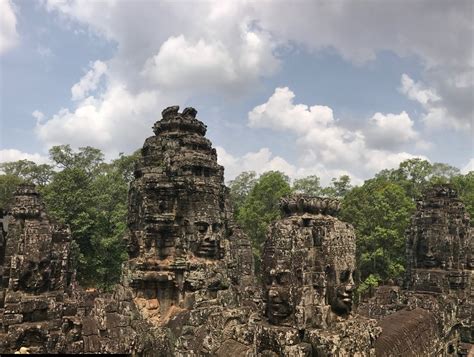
column 305, row 87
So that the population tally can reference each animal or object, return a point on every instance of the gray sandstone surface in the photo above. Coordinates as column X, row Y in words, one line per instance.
column 188, row 287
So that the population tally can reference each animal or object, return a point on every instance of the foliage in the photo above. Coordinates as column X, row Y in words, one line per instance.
column 380, row 211
column 464, row 185
column 8, row 184
column 371, row 282
column 29, row 171
column 308, row 185
column 415, row 175
column 338, row 188
column 240, row 188
column 91, row 196
column 260, row 207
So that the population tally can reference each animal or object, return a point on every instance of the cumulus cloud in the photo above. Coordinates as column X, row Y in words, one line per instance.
column 435, row 114
column 39, row 116
column 259, row 161
column 216, row 46
column 324, row 141
column 280, row 113
column 390, row 131
column 200, row 63
column 469, row 167
column 264, row 160
column 8, row 155
column 165, row 48
column 90, row 81
column 358, row 31
column 226, row 46
column 182, row 64
column 116, row 121
column 8, row 33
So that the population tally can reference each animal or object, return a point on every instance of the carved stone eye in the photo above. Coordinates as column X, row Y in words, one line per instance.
column 283, row 278
column 202, row 227
column 344, row 276
column 216, row 227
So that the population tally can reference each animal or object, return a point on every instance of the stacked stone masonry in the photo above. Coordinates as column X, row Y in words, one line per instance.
column 188, row 287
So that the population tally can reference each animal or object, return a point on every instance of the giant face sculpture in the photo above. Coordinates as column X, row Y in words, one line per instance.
column 308, row 263
column 278, row 271
column 340, row 287
column 339, row 252
column 427, row 253
column 278, row 288
column 207, row 239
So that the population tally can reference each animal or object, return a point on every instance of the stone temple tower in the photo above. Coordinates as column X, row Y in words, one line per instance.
column 439, row 244
column 184, row 250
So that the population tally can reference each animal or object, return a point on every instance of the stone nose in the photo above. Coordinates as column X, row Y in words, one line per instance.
column 208, row 235
column 272, row 293
column 350, row 287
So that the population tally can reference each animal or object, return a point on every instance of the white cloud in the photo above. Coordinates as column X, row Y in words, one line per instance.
column 90, row 81
column 200, row 64
column 264, row 160
column 116, row 121
column 8, row 33
column 260, row 162
column 7, row 155
column 216, row 46
column 469, row 167
column 325, row 143
column 185, row 65
column 390, row 131
column 226, row 46
column 280, row 113
column 39, row 116
column 436, row 115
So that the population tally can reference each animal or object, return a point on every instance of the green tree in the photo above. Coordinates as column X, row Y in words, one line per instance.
column 464, row 185
column 380, row 211
column 309, row 185
column 261, row 207
column 446, row 171
column 91, row 196
column 240, row 188
column 29, row 171
column 8, row 184
column 338, row 188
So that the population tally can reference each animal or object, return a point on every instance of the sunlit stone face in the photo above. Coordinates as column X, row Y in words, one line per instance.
column 207, row 239
column 340, row 287
column 278, row 294
column 339, row 251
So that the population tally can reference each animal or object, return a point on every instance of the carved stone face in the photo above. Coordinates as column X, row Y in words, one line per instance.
column 340, row 288
column 427, row 254
column 207, row 238
column 278, row 290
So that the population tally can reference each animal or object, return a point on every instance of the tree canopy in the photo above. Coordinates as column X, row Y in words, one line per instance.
column 83, row 190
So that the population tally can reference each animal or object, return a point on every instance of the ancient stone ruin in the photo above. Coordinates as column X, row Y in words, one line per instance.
column 188, row 287
column 435, row 305
column 36, row 276
column 308, row 273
